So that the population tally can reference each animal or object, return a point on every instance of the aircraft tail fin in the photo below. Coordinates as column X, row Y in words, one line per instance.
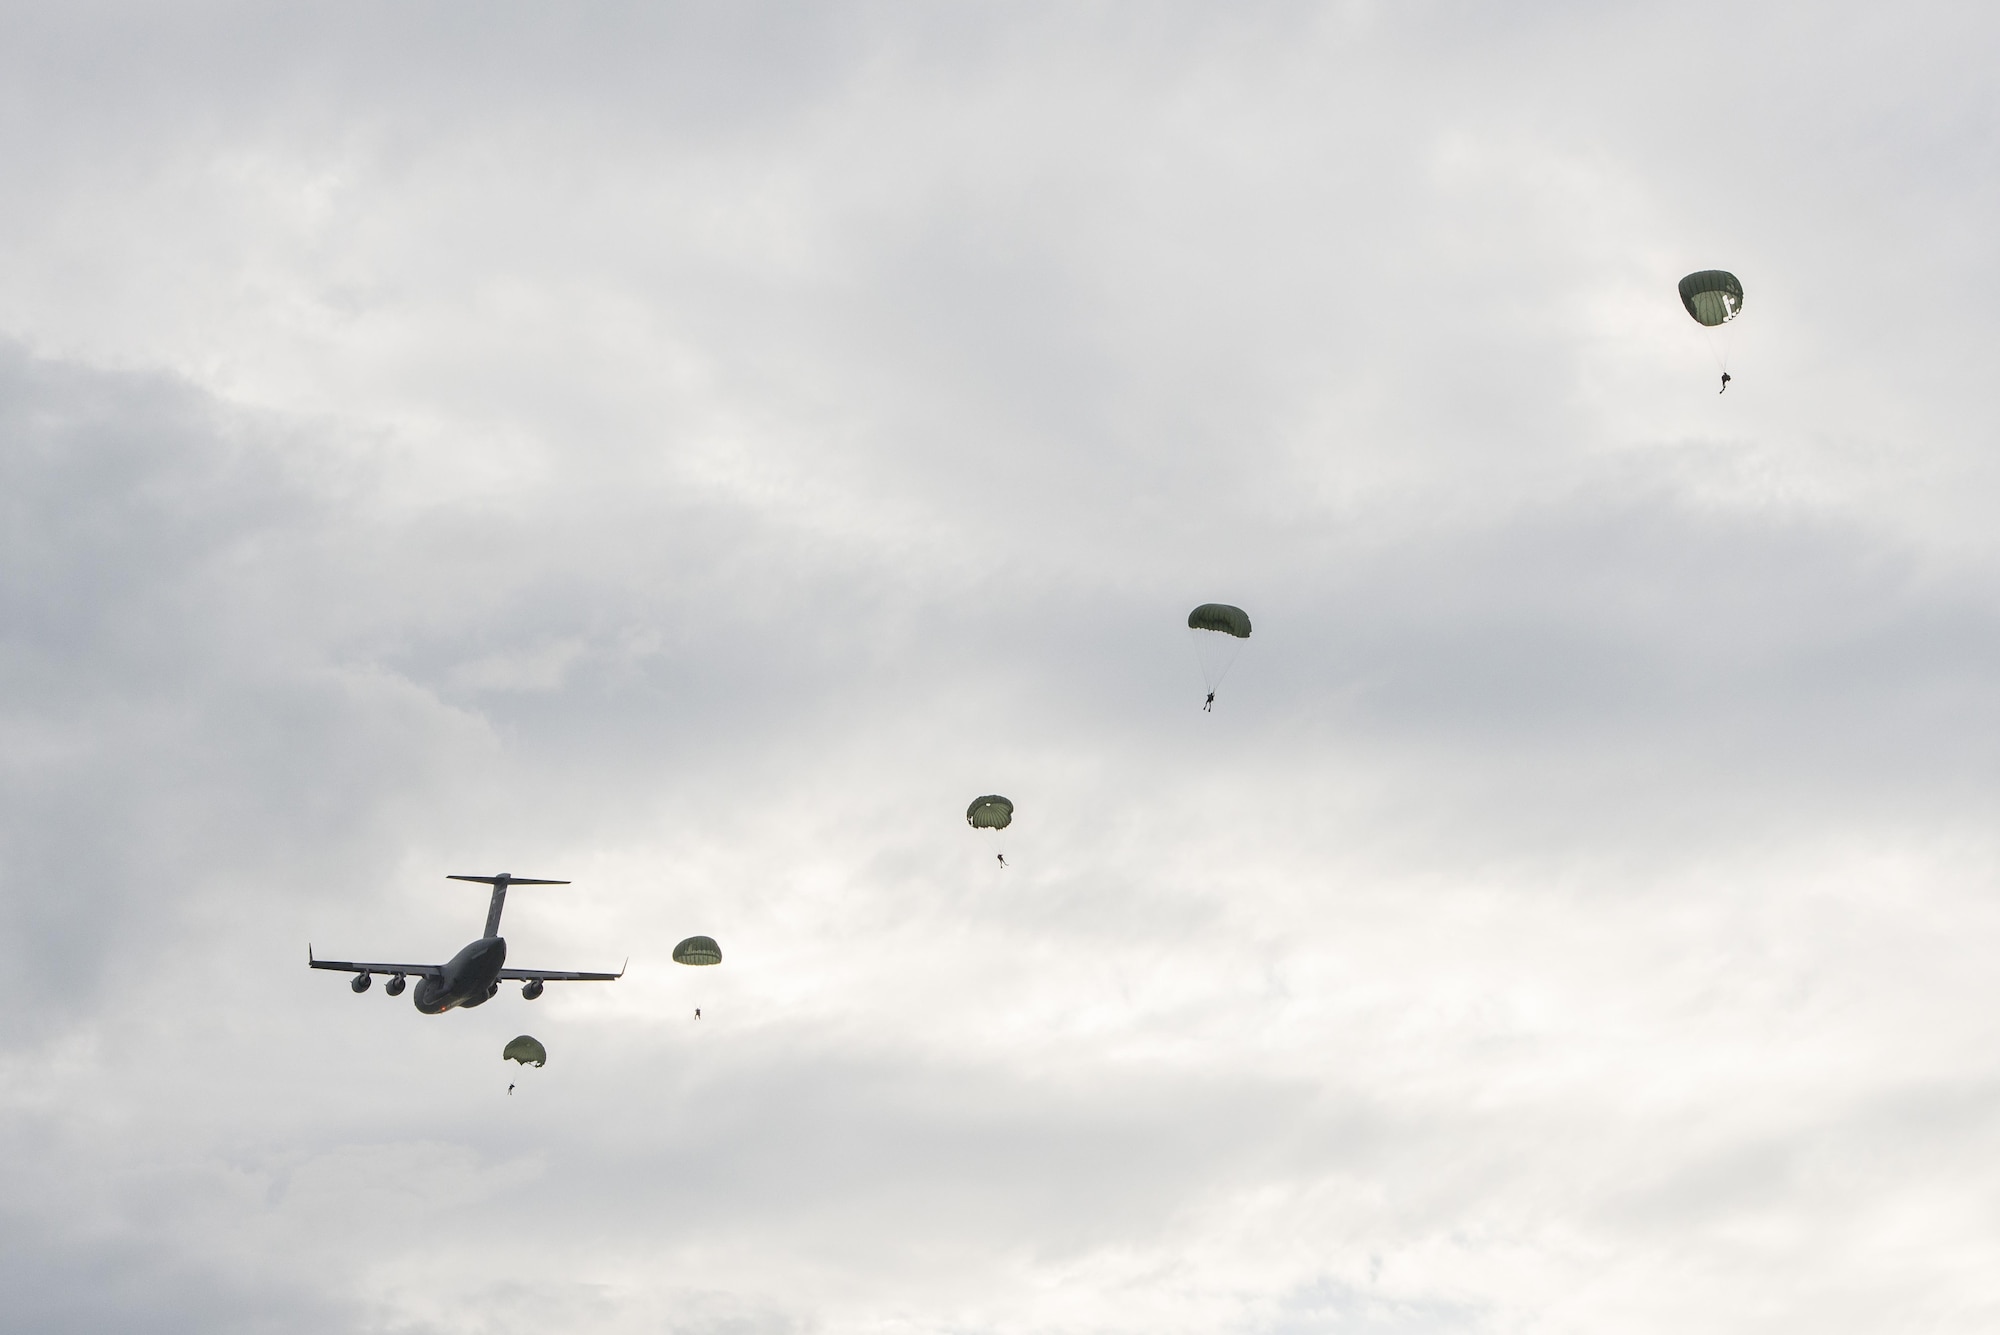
column 499, row 901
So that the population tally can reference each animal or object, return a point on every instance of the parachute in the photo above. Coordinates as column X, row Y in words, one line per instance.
column 698, row 950
column 1712, row 297
column 1222, row 617
column 526, row 1050
column 992, row 812
column 1218, row 631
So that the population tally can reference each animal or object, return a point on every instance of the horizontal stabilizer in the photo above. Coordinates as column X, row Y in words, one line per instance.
column 505, row 880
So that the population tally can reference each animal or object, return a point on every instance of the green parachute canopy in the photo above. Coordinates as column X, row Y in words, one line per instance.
column 1220, row 617
column 1217, row 631
column 1712, row 297
column 698, row 950
column 527, row 1051
column 991, row 812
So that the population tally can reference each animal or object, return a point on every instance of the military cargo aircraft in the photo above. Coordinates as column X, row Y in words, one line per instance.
column 474, row 974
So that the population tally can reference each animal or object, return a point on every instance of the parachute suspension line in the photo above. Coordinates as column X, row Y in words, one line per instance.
column 1708, row 343
column 1721, row 341
column 1214, row 654
column 1728, row 343
column 1717, row 339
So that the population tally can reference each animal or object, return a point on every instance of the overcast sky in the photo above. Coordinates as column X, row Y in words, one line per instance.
column 694, row 450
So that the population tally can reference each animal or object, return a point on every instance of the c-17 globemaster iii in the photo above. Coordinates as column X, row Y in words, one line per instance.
column 473, row 975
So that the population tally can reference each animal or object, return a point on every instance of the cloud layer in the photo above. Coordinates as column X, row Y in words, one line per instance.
column 693, row 451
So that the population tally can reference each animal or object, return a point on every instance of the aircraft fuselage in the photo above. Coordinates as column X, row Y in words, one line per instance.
column 469, row 978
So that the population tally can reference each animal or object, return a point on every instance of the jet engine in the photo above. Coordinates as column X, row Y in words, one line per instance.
column 532, row 988
column 361, row 981
column 394, row 987
column 493, row 989
column 430, row 989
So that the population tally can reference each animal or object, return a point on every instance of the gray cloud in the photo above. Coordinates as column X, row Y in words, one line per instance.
column 694, row 451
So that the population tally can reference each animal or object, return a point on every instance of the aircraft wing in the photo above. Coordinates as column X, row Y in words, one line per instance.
column 560, row 976
column 351, row 966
